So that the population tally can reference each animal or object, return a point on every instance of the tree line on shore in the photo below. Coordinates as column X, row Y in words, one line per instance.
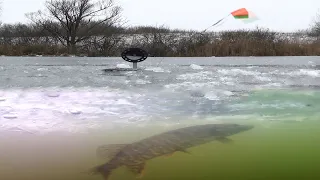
column 96, row 28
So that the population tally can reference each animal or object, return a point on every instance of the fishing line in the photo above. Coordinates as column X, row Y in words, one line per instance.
column 241, row 13
column 218, row 23
column 160, row 62
column 215, row 23
column 221, row 23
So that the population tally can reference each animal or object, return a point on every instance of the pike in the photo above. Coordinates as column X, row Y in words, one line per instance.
column 134, row 156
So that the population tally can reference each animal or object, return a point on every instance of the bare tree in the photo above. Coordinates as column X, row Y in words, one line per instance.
column 74, row 21
column 107, row 44
column 315, row 26
column 158, row 40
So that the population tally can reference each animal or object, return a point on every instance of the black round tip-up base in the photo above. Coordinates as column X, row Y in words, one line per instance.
column 133, row 55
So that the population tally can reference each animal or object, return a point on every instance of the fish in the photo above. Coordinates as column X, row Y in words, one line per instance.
column 134, row 155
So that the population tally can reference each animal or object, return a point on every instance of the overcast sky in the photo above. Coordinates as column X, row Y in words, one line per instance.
column 281, row 15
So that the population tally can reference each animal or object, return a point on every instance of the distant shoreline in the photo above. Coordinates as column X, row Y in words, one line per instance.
column 71, row 56
column 240, row 43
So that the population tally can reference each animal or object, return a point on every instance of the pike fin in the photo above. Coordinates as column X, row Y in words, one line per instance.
column 109, row 151
column 137, row 169
column 224, row 140
column 104, row 170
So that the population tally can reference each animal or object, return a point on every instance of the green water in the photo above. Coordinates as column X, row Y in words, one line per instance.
column 283, row 145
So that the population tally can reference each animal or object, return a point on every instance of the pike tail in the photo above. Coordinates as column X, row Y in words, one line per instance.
column 104, row 169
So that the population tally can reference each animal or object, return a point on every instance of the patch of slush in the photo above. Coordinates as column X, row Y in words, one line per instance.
column 218, row 95
column 300, row 72
column 196, row 67
column 269, row 85
column 123, row 66
column 237, row 72
column 307, row 72
column 189, row 85
column 203, row 75
column 263, row 78
column 141, row 81
column 156, row 69
column 42, row 69
column 66, row 109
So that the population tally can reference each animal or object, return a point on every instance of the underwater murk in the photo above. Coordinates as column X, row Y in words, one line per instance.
column 283, row 143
